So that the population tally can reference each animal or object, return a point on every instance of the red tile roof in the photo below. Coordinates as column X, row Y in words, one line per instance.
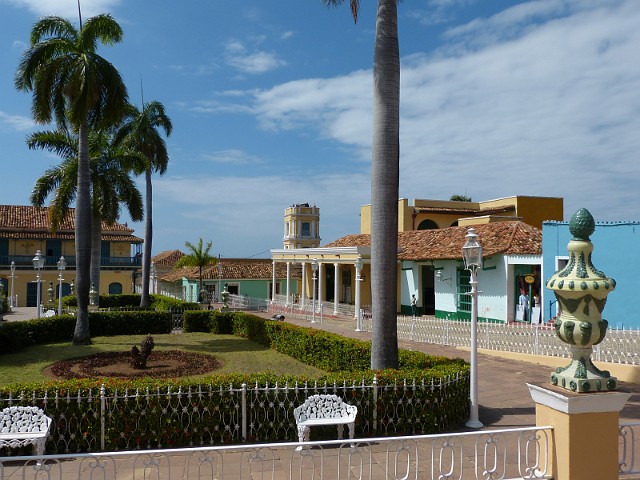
column 510, row 238
column 234, row 269
column 21, row 221
column 168, row 258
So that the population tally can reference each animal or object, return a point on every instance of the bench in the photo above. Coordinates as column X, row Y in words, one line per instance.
column 21, row 426
column 324, row 410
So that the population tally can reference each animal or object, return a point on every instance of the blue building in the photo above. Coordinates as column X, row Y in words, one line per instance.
column 614, row 253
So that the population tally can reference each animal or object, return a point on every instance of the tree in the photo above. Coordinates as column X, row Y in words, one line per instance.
column 111, row 183
column 74, row 85
column 385, row 172
column 140, row 132
column 460, row 198
column 198, row 257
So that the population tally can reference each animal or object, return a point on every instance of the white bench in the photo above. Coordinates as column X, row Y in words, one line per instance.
column 324, row 410
column 21, row 426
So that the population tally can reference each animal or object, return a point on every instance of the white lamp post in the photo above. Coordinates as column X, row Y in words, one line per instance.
column 472, row 254
column 38, row 264
column 153, row 278
column 12, row 303
column 358, row 265
column 62, row 264
column 314, row 266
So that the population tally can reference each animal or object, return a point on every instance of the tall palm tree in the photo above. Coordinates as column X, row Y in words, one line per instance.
column 111, row 183
column 72, row 84
column 140, row 132
column 385, row 173
column 198, row 257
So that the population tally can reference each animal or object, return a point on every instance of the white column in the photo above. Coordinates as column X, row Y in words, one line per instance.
column 358, row 267
column 287, row 301
column 336, row 290
column 273, row 284
column 320, row 284
column 303, row 287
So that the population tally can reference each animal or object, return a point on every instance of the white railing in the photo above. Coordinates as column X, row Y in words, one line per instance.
column 489, row 454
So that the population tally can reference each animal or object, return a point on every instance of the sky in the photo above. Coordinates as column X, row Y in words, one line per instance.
column 271, row 104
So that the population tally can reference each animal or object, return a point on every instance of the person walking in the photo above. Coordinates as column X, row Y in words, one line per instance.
column 414, row 305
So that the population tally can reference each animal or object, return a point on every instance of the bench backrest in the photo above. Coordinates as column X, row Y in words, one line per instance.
column 324, row 406
column 23, row 420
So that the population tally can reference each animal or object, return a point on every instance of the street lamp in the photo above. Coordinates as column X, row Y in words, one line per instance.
column 472, row 254
column 358, row 264
column 13, row 274
column 38, row 264
column 314, row 266
column 62, row 264
column 153, row 277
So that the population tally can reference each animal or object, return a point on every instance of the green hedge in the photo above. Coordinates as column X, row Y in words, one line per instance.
column 132, row 301
column 426, row 395
column 15, row 336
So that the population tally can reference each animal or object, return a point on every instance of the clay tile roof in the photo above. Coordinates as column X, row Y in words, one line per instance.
column 509, row 238
column 168, row 258
column 23, row 221
column 233, row 269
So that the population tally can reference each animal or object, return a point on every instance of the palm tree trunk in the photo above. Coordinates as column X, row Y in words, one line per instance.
column 385, row 172
column 148, row 236
column 82, row 335
column 96, row 251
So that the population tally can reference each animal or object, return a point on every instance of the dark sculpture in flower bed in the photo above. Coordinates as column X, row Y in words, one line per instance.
column 139, row 355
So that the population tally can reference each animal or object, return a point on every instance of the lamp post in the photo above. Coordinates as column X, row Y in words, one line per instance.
column 358, row 265
column 62, row 264
column 153, row 278
column 38, row 263
column 12, row 304
column 472, row 254
column 314, row 266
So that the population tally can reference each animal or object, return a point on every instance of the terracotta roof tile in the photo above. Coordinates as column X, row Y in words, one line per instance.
column 510, row 238
column 168, row 258
column 234, row 269
column 23, row 221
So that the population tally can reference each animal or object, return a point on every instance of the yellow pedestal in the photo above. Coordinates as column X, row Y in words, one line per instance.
column 585, row 431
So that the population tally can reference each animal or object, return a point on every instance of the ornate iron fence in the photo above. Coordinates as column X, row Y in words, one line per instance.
column 94, row 420
column 494, row 454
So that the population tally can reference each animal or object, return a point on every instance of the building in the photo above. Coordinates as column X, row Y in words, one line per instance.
column 434, row 214
column 25, row 229
column 301, row 226
column 253, row 278
column 613, row 254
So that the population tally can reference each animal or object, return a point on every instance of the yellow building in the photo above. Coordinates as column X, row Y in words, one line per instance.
column 434, row 214
column 301, row 226
column 24, row 230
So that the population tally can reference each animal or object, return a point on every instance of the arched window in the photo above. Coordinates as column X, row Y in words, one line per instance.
column 454, row 224
column 428, row 225
column 115, row 288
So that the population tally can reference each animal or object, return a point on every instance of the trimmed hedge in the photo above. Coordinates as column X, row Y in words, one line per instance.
column 15, row 336
column 132, row 301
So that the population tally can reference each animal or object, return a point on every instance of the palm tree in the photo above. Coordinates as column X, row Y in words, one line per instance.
column 140, row 132
column 385, row 172
column 111, row 183
column 72, row 84
column 198, row 257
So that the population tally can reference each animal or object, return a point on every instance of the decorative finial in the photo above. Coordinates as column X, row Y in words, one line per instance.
column 582, row 225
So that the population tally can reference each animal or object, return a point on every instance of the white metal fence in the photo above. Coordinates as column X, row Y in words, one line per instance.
column 493, row 454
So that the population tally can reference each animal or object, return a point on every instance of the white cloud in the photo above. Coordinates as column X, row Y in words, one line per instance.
column 255, row 62
column 232, row 157
column 66, row 8
column 16, row 122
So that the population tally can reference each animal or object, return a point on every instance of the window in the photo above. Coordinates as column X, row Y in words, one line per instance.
column 464, row 288
column 306, row 229
column 428, row 225
column 115, row 288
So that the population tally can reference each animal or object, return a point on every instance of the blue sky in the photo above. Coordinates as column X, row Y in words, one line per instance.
column 271, row 106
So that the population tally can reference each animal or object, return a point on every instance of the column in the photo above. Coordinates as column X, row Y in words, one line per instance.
column 273, row 284
column 287, row 301
column 585, row 431
column 320, row 284
column 336, row 289
column 303, row 287
column 358, row 267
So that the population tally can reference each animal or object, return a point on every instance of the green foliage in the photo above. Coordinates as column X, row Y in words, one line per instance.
column 15, row 336
column 460, row 198
column 132, row 302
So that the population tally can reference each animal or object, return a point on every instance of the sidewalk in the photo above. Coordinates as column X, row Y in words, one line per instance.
column 503, row 394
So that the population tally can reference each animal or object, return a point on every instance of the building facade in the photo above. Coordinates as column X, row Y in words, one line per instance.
column 301, row 226
column 24, row 230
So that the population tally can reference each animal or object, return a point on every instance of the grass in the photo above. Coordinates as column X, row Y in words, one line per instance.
column 238, row 355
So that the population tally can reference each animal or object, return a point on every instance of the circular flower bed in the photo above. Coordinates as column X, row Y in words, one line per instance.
column 160, row 364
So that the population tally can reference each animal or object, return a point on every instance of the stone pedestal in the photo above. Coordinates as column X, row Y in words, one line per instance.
column 585, row 431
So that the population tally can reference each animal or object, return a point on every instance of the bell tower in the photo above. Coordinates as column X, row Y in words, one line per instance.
column 301, row 226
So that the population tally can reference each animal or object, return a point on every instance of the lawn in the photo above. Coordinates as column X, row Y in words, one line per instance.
column 237, row 355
